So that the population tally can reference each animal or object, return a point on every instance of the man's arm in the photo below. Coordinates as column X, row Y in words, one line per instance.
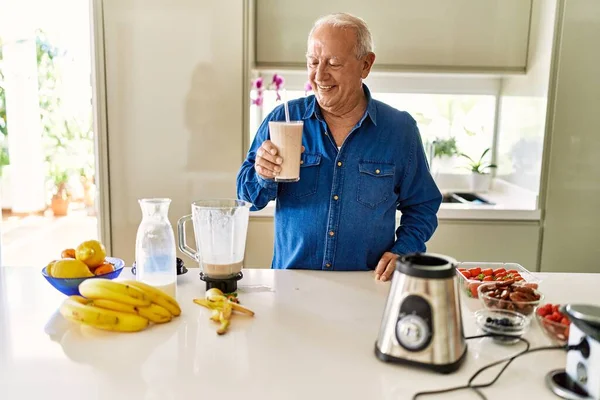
column 252, row 187
column 419, row 201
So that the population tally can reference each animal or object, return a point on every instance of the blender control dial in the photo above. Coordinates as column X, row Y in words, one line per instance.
column 414, row 329
column 412, row 332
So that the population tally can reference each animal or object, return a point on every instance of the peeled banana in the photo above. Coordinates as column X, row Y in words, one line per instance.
column 214, row 295
column 224, row 318
column 157, row 296
column 81, row 310
column 99, row 288
column 221, row 308
column 153, row 312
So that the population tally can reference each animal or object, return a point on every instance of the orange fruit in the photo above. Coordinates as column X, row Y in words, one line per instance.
column 104, row 269
column 68, row 253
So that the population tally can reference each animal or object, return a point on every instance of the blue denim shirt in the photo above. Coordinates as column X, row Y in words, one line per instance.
column 341, row 214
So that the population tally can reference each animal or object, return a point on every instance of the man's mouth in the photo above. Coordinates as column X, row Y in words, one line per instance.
column 325, row 87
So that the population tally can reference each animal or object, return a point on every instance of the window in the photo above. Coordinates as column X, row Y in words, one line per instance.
column 447, row 110
column 465, row 120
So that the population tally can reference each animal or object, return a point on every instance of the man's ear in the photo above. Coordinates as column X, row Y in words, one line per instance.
column 368, row 61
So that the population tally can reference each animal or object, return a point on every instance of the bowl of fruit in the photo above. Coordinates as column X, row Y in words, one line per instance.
column 471, row 275
column 505, row 326
column 509, row 295
column 554, row 323
column 87, row 261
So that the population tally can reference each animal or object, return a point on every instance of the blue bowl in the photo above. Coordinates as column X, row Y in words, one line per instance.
column 70, row 286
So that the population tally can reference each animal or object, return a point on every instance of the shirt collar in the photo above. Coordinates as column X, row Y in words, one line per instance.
column 313, row 108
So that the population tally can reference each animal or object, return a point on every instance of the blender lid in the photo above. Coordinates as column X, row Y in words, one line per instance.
column 427, row 265
column 586, row 317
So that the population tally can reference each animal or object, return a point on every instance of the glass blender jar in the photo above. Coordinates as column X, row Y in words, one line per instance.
column 220, row 229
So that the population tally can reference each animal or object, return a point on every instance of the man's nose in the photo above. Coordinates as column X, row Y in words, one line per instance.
column 322, row 72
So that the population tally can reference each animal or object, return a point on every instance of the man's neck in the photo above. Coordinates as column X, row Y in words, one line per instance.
column 349, row 116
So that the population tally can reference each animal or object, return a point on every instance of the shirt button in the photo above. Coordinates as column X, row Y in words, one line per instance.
column 377, row 171
column 339, row 163
column 331, row 233
column 327, row 265
column 335, row 197
column 302, row 162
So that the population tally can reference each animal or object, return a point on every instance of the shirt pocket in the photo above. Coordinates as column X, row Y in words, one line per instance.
column 375, row 183
column 310, row 165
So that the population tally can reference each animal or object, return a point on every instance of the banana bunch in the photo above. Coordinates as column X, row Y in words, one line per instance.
column 122, row 306
column 222, row 308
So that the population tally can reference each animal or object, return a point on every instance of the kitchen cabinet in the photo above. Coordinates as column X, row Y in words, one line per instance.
column 408, row 34
column 572, row 171
column 481, row 240
column 492, row 241
column 174, row 105
column 259, row 243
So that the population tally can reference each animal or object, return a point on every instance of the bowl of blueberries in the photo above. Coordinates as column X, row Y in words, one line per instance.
column 504, row 326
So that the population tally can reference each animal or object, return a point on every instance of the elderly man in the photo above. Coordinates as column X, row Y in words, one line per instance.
column 362, row 160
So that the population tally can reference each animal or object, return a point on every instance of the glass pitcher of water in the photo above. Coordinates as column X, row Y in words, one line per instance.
column 155, row 251
column 220, row 228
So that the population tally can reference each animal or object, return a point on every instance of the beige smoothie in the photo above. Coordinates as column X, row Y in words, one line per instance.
column 222, row 270
column 287, row 137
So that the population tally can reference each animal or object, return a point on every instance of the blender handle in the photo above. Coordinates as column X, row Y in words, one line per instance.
column 182, row 243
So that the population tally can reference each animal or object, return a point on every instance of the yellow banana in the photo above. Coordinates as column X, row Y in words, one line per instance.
column 224, row 317
column 215, row 315
column 218, row 305
column 214, row 294
column 81, row 310
column 223, row 327
column 153, row 312
column 157, row 296
column 99, row 288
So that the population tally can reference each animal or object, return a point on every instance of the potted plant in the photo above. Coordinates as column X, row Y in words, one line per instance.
column 89, row 188
column 61, row 197
column 481, row 179
column 441, row 153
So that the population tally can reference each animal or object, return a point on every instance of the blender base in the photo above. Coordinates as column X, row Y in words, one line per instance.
column 227, row 285
column 563, row 386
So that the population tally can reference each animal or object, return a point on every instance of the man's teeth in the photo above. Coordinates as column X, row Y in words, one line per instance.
column 325, row 87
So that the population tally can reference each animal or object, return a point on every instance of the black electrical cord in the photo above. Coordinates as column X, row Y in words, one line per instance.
column 507, row 362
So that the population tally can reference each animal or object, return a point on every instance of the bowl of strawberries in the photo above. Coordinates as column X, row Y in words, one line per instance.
column 554, row 322
column 471, row 275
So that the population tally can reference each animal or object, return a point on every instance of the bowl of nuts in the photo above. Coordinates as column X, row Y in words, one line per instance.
column 513, row 296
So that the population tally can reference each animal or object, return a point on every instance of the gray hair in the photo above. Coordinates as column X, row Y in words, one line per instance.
column 364, row 40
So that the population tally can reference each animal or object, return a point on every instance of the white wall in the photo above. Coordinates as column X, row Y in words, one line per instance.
column 572, row 205
column 523, row 104
column 174, row 103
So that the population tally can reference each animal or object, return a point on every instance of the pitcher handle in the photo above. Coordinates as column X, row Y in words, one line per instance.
column 182, row 242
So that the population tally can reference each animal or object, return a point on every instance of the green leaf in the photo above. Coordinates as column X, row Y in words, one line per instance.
column 466, row 156
column 484, row 153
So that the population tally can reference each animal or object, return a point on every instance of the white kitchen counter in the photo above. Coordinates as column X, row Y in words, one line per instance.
column 312, row 338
